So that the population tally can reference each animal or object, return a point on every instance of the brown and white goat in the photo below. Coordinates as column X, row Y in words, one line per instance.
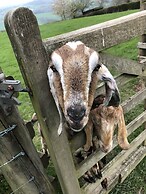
column 103, row 120
column 73, row 74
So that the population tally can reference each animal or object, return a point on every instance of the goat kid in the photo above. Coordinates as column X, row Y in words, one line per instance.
column 103, row 120
column 73, row 74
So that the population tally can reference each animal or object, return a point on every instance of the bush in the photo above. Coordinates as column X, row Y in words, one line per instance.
column 119, row 8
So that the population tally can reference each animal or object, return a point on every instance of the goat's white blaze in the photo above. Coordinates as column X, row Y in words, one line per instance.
column 73, row 45
column 93, row 61
column 53, row 91
column 58, row 62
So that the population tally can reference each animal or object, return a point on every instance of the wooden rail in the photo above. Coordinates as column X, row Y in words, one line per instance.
column 98, row 155
column 123, row 65
column 123, row 169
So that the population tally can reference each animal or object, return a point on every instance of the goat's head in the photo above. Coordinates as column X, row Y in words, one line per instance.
column 73, row 74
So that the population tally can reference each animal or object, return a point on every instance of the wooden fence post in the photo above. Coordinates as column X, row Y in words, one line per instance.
column 24, row 34
column 19, row 161
column 142, row 51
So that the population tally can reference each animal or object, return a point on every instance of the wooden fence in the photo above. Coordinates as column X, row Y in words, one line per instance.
column 33, row 55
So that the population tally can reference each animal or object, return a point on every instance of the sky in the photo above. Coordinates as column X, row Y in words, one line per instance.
column 7, row 3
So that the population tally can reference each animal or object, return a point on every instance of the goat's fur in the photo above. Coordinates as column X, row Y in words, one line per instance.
column 104, row 119
column 73, row 74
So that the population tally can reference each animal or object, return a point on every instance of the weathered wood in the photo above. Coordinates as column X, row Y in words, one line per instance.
column 24, row 34
column 115, row 163
column 25, row 167
column 134, row 100
column 122, row 65
column 98, row 155
column 104, row 35
column 142, row 52
column 122, row 170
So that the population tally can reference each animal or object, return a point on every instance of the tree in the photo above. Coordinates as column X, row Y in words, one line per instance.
column 60, row 7
column 83, row 4
column 69, row 9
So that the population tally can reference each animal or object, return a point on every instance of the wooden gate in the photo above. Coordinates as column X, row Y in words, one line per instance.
column 33, row 54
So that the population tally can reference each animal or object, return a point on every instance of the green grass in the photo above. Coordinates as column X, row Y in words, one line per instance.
column 57, row 28
column 137, row 179
column 126, row 49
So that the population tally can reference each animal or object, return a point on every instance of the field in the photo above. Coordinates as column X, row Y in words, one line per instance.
column 136, row 181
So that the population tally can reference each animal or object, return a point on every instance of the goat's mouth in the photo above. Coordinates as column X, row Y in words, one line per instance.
column 77, row 126
column 76, row 117
column 76, row 130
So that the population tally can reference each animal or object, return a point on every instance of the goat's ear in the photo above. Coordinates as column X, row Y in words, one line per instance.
column 112, row 97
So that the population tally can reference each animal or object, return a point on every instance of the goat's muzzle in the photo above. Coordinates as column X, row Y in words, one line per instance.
column 76, row 117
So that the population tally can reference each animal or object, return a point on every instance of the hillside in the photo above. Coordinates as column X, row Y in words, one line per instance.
column 42, row 9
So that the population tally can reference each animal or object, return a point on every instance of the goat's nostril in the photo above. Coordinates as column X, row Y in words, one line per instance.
column 76, row 113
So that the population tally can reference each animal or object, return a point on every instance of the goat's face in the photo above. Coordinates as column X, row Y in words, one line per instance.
column 73, row 74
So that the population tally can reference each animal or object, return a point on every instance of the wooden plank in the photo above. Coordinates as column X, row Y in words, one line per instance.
column 104, row 35
column 77, row 141
column 24, row 34
column 142, row 52
column 115, row 163
column 122, row 65
column 134, row 100
column 25, row 167
column 98, row 155
column 16, row 178
column 123, row 170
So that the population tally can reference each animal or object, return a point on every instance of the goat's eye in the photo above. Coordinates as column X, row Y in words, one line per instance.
column 53, row 68
column 97, row 67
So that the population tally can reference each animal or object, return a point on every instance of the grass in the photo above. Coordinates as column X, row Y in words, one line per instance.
column 137, row 179
column 57, row 28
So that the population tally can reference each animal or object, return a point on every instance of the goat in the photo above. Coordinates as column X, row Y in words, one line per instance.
column 104, row 120
column 73, row 74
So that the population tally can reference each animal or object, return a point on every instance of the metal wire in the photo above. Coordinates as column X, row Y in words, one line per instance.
column 6, row 131
column 14, row 158
column 31, row 179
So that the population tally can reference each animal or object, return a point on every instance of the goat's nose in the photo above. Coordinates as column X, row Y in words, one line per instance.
column 76, row 113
